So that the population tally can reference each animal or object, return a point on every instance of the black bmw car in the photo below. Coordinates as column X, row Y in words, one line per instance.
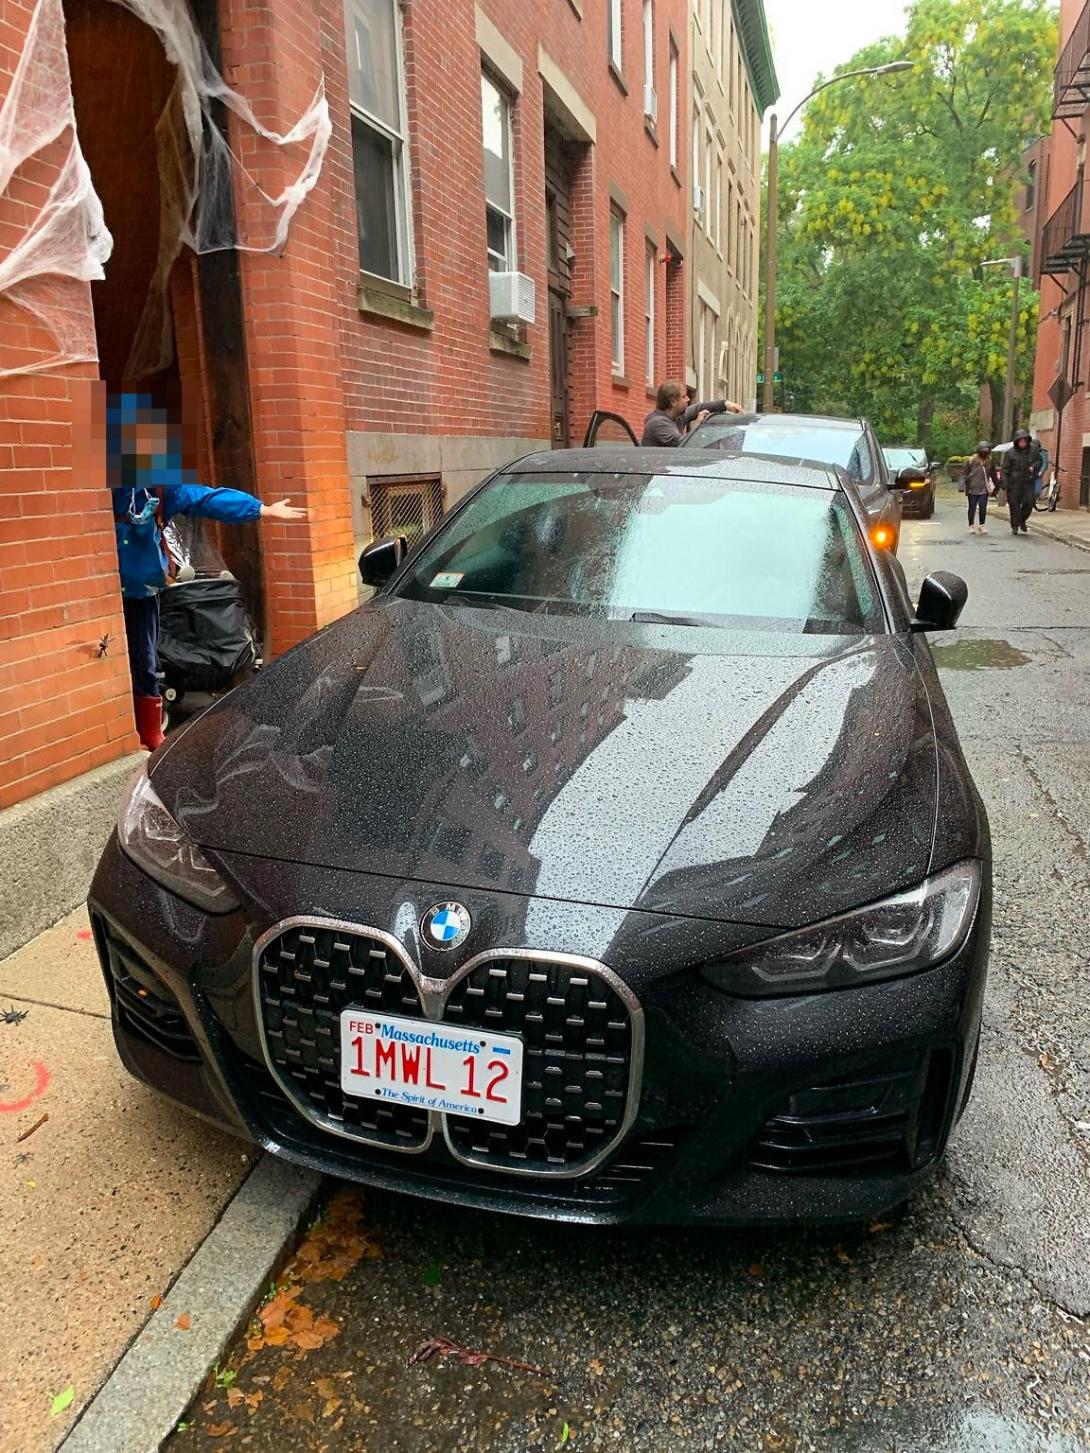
column 617, row 861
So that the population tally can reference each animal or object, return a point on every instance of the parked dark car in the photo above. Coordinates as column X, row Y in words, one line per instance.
column 617, row 861
column 915, row 473
column 849, row 443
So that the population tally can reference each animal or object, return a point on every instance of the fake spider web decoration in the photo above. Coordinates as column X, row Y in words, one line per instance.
column 64, row 243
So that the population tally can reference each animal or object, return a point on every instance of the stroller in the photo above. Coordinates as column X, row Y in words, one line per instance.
column 207, row 640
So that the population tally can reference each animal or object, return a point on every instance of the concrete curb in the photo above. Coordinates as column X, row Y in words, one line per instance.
column 1062, row 536
column 149, row 1390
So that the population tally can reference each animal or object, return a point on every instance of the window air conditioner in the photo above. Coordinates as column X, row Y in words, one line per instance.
column 650, row 103
column 511, row 297
column 698, row 197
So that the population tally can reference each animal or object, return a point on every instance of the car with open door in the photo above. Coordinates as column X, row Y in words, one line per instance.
column 616, row 861
column 607, row 430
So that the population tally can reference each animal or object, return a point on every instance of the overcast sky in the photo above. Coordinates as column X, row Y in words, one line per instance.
column 809, row 36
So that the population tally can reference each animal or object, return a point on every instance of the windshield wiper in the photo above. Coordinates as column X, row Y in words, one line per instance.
column 662, row 618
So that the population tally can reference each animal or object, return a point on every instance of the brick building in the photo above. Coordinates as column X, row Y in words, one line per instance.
column 1057, row 221
column 497, row 243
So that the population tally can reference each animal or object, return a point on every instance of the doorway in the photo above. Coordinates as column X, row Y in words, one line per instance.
column 122, row 83
column 1084, row 480
column 559, row 165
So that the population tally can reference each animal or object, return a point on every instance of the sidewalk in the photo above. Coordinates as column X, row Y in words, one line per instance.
column 102, row 1205
column 1070, row 526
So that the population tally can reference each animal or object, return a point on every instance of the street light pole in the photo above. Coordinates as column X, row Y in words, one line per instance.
column 1012, row 350
column 771, row 234
column 1015, row 265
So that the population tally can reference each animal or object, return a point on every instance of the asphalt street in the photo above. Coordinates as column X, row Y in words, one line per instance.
column 959, row 1327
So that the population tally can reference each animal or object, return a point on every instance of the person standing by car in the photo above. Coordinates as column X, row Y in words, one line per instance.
column 980, row 483
column 1020, row 470
column 665, row 425
column 149, row 488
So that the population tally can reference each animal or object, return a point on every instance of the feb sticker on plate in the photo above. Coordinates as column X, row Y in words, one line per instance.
column 447, row 580
column 434, row 1066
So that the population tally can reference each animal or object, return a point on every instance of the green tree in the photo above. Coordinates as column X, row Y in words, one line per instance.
column 897, row 189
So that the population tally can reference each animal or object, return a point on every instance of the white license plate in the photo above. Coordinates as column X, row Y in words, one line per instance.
column 433, row 1066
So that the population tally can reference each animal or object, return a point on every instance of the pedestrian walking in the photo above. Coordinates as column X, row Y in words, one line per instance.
column 667, row 422
column 149, row 488
column 1021, row 467
column 979, row 482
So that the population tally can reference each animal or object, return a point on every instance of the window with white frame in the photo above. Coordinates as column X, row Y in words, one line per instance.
column 616, row 287
column 709, row 163
column 649, row 43
column 717, row 208
column 674, row 103
column 615, row 51
column 730, row 223
column 377, row 99
column 499, row 178
column 649, row 312
column 695, row 172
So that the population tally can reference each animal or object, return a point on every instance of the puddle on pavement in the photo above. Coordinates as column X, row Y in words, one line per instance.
column 979, row 656
column 983, row 1431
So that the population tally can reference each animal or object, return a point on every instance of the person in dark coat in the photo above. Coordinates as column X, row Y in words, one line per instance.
column 665, row 425
column 1021, row 467
column 149, row 488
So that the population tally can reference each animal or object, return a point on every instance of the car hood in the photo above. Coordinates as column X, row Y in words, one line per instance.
column 741, row 777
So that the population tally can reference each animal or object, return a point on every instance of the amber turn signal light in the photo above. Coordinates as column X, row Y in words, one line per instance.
column 881, row 537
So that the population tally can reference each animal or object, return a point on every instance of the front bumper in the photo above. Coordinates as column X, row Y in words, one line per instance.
column 826, row 1108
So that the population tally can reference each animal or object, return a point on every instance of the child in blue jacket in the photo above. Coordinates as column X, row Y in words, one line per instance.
column 149, row 488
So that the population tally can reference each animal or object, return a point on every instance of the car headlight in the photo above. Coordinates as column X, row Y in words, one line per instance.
column 155, row 842
column 899, row 935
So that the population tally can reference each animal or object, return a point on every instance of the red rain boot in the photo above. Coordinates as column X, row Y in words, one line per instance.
column 149, row 720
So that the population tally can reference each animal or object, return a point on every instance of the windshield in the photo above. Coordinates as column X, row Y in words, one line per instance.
column 898, row 459
column 655, row 548
column 790, row 440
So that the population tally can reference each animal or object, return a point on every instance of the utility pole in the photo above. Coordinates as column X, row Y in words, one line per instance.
column 1012, row 352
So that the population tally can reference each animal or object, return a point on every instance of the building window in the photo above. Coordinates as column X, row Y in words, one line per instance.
column 1031, row 187
column 674, row 103
column 709, row 160
column 616, row 287
column 730, row 223
column 615, row 32
column 404, row 504
column 717, row 212
column 695, row 173
column 649, row 43
column 377, row 100
column 499, row 180
column 743, row 248
column 649, row 313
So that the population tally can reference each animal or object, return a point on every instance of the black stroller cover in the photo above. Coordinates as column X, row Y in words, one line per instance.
column 206, row 636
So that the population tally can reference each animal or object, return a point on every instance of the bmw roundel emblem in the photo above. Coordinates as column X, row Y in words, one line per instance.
column 447, row 925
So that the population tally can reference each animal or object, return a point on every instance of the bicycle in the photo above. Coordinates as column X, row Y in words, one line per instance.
column 1049, row 497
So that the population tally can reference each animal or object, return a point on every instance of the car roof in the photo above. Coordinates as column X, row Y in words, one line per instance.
column 630, row 459
column 793, row 421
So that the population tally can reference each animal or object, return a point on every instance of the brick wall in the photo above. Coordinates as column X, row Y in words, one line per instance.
column 63, row 708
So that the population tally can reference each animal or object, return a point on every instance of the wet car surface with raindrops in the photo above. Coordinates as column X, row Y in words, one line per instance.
column 617, row 861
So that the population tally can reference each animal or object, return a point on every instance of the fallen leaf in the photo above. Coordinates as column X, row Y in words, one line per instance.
column 1045, row 1062
column 597, row 1366
column 326, row 1387
column 63, row 1401
column 565, row 1435
column 235, row 1395
column 156, row 1302
column 756, row 1269
column 876, row 1226
column 184, row 1322
column 302, row 1412
column 331, row 1406
column 281, row 1378
column 841, row 1255
column 221, row 1430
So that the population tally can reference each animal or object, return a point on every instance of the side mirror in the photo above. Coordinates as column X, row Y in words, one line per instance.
column 911, row 474
column 379, row 562
column 942, row 600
